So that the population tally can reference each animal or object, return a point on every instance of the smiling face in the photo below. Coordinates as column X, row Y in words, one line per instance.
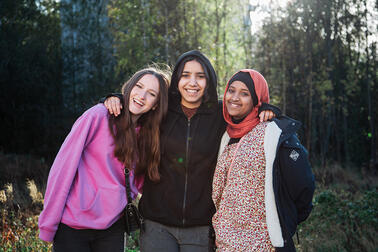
column 143, row 96
column 192, row 84
column 238, row 100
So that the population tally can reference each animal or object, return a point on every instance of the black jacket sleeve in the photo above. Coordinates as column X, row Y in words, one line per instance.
column 274, row 109
column 120, row 96
column 297, row 176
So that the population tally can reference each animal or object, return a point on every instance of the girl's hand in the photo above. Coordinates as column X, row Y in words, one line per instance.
column 266, row 115
column 114, row 106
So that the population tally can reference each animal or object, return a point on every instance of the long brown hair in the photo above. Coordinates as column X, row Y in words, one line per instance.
column 144, row 150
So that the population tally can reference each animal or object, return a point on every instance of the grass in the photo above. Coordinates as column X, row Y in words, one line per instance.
column 345, row 214
column 341, row 221
column 19, row 233
column 344, row 218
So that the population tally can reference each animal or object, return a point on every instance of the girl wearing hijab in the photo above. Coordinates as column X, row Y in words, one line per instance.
column 263, row 184
column 85, row 196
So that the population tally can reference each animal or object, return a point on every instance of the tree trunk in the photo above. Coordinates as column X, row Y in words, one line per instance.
column 371, row 118
column 224, row 46
column 196, row 44
column 216, row 42
column 166, row 34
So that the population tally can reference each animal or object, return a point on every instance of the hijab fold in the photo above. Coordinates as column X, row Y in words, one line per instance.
column 238, row 130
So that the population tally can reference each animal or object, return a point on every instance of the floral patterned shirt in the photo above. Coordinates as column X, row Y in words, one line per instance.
column 239, row 194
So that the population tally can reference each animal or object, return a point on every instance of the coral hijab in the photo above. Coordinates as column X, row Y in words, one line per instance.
column 237, row 130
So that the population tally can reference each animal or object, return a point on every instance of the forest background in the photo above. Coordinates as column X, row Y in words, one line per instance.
column 57, row 58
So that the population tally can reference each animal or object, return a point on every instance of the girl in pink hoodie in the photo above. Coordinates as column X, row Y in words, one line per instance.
column 85, row 194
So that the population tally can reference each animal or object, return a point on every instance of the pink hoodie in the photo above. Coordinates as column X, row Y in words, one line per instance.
column 86, row 184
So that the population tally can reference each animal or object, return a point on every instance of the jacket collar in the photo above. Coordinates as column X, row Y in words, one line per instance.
column 288, row 126
column 204, row 108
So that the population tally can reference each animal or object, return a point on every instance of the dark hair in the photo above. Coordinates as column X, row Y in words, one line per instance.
column 180, row 69
column 143, row 150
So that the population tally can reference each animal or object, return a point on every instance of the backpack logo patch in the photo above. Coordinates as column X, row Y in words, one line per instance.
column 294, row 155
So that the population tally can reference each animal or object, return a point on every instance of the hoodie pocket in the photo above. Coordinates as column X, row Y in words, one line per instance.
column 96, row 205
column 107, row 201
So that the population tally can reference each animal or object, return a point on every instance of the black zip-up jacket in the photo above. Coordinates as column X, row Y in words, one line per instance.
column 189, row 151
column 293, row 181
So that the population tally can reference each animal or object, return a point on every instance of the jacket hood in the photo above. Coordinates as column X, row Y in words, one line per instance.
column 174, row 94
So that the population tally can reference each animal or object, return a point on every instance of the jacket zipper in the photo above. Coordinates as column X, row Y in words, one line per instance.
column 186, row 172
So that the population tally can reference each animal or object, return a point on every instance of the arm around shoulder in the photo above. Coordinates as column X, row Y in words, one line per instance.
column 267, row 107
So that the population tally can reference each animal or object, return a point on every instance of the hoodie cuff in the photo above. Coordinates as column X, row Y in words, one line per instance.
column 46, row 235
column 120, row 96
column 274, row 109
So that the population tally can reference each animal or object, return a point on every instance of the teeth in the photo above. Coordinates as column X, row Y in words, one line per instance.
column 235, row 105
column 138, row 102
column 191, row 91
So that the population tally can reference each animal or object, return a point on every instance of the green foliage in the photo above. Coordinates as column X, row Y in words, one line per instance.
column 344, row 217
column 160, row 31
column 341, row 221
column 345, row 213
column 321, row 71
column 319, row 58
column 19, row 232
column 132, row 242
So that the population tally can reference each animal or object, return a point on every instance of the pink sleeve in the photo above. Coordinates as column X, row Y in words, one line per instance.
column 62, row 174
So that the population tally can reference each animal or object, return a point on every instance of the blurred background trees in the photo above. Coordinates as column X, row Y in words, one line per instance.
column 57, row 58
